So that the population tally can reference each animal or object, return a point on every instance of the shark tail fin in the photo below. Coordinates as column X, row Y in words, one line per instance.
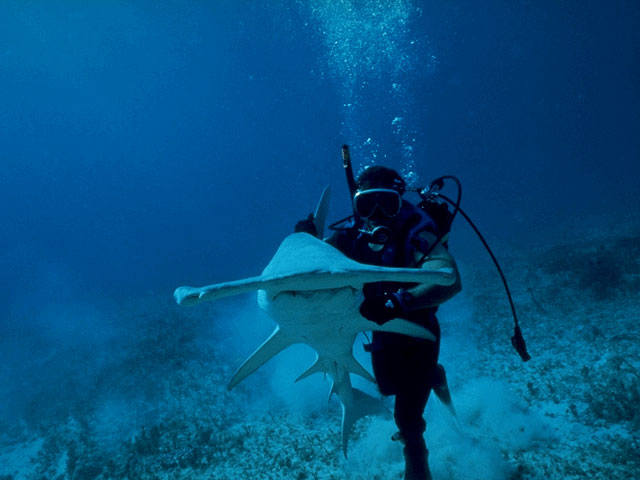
column 271, row 347
column 360, row 406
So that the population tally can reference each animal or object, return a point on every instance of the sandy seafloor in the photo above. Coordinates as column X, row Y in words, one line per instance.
column 150, row 402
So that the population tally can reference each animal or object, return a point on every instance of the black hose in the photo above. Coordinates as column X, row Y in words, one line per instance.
column 517, row 340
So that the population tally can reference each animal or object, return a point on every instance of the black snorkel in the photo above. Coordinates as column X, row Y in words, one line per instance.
column 351, row 183
column 348, row 169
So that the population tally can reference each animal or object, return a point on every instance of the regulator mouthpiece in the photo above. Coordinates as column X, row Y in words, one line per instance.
column 380, row 235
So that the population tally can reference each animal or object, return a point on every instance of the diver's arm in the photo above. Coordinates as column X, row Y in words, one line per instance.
column 427, row 295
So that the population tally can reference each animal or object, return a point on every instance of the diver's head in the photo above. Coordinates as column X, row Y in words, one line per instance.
column 377, row 201
column 379, row 194
column 378, row 176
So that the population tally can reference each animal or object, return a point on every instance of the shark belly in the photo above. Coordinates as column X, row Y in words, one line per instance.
column 320, row 318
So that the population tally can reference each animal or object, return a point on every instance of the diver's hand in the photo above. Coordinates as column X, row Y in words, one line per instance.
column 382, row 308
column 306, row 226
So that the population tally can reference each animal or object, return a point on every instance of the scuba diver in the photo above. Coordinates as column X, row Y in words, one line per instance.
column 388, row 230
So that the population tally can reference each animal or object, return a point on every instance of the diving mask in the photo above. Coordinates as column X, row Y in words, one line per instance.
column 387, row 200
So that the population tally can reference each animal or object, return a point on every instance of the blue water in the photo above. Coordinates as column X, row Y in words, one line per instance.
column 146, row 145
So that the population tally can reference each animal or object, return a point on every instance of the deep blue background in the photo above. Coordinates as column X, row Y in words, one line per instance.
column 146, row 145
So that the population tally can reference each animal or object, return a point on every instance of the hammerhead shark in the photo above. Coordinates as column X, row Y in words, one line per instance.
column 313, row 293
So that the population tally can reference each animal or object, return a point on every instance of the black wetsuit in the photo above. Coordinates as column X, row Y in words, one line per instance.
column 403, row 366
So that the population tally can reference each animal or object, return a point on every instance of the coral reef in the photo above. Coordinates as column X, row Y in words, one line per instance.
column 150, row 401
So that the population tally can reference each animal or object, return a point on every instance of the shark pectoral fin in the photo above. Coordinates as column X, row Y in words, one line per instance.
column 447, row 276
column 191, row 295
column 405, row 327
column 359, row 406
column 271, row 347
column 186, row 295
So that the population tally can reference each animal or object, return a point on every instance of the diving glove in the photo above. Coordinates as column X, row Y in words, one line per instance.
column 306, row 226
column 382, row 308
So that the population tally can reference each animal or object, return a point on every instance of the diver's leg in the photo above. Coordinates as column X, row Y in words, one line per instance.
column 411, row 401
column 416, row 461
column 408, row 414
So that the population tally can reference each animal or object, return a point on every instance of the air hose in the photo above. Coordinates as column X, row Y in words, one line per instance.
column 429, row 194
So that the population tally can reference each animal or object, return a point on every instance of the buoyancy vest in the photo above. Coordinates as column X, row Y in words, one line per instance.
column 398, row 252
